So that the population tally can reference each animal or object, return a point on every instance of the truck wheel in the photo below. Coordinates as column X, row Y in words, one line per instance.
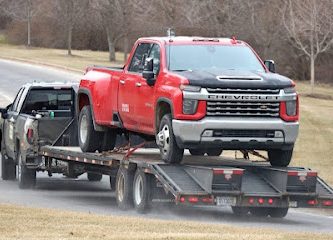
column 278, row 212
column 170, row 152
column 8, row 168
column 259, row 212
column 124, row 187
column 197, row 152
column 26, row 176
column 94, row 177
column 142, row 191
column 113, row 183
column 89, row 139
column 240, row 211
column 280, row 158
column 214, row 152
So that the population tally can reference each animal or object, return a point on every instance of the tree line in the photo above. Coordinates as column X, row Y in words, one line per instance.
column 297, row 34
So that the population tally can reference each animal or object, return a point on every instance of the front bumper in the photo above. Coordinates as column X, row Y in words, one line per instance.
column 189, row 133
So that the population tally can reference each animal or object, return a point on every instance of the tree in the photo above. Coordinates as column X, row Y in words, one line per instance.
column 70, row 12
column 22, row 10
column 309, row 25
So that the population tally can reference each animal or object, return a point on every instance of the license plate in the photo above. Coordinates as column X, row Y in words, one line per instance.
column 226, row 201
column 293, row 204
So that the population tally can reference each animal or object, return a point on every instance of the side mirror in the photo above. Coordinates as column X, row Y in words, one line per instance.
column 148, row 72
column 270, row 65
column 3, row 112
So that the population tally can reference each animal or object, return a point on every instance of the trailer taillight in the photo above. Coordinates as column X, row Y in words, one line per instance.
column 182, row 199
column 193, row 199
column 207, row 199
column 30, row 135
column 251, row 200
column 312, row 202
column 270, row 201
column 327, row 203
column 217, row 171
column 261, row 200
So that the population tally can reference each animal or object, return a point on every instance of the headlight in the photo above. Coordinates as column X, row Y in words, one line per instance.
column 289, row 90
column 291, row 108
column 190, row 106
column 190, row 88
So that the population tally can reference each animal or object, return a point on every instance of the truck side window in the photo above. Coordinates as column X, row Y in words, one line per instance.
column 139, row 57
column 155, row 54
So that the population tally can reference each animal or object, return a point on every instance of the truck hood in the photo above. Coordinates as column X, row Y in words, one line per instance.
column 216, row 78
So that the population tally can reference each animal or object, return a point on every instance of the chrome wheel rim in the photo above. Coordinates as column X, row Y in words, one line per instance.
column 138, row 190
column 19, row 168
column 83, row 129
column 164, row 138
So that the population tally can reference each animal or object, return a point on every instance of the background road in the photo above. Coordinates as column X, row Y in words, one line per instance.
column 96, row 197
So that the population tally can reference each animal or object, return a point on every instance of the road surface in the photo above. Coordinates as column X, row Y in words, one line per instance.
column 96, row 197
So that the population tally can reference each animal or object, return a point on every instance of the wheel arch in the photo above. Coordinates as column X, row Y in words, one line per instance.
column 84, row 98
column 163, row 106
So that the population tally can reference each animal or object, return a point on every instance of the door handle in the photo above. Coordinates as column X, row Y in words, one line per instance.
column 122, row 82
column 138, row 84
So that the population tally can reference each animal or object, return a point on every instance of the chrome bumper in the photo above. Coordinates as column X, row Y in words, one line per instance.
column 191, row 131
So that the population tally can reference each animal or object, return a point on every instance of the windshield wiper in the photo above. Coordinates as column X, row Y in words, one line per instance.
column 182, row 70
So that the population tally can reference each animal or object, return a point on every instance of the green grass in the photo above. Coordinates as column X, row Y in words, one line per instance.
column 33, row 223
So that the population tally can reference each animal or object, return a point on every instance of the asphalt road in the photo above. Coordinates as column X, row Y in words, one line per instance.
column 96, row 197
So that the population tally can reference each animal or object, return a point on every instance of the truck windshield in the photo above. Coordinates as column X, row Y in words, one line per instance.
column 205, row 57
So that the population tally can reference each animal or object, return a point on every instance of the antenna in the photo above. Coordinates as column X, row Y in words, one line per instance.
column 171, row 32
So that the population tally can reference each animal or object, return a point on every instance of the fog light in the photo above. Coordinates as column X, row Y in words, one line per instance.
column 190, row 106
column 278, row 134
column 207, row 133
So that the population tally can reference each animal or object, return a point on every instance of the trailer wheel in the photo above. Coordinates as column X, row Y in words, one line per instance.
column 8, row 168
column 142, row 191
column 89, row 139
column 94, row 177
column 259, row 212
column 214, row 152
column 170, row 152
column 278, row 212
column 26, row 176
column 124, row 187
column 280, row 158
column 240, row 211
column 197, row 152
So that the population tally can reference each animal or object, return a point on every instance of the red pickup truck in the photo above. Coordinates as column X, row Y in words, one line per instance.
column 201, row 94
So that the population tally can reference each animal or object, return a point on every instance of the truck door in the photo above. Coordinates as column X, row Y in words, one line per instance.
column 10, row 123
column 145, row 93
column 128, row 95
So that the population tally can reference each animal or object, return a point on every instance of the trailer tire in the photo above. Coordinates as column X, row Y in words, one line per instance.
column 280, row 158
column 26, row 176
column 214, row 152
column 94, row 177
column 142, row 191
column 197, row 152
column 170, row 152
column 8, row 168
column 89, row 139
column 240, row 211
column 278, row 212
column 124, row 188
column 259, row 211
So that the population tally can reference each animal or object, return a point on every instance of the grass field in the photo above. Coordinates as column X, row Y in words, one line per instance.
column 30, row 223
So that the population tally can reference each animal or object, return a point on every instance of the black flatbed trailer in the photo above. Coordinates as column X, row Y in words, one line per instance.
column 246, row 186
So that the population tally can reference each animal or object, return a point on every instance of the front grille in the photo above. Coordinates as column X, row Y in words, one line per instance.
column 243, row 90
column 244, row 133
column 243, row 109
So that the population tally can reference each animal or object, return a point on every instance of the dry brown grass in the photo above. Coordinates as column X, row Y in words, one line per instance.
column 31, row 223
column 78, row 61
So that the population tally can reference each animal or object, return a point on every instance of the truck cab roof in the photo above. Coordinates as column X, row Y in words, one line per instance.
column 193, row 40
column 55, row 85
